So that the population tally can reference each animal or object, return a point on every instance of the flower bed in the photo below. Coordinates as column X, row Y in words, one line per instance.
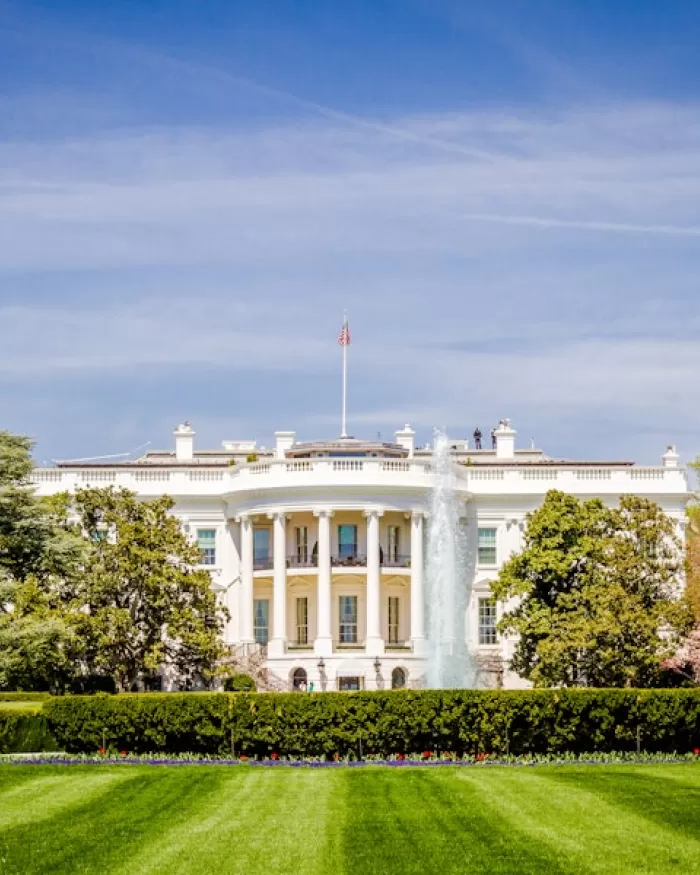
column 123, row 758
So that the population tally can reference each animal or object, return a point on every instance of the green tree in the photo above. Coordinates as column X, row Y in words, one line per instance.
column 143, row 601
column 38, row 553
column 597, row 591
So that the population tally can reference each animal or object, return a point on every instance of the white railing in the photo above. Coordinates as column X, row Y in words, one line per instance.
column 594, row 474
column 414, row 473
column 98, row 476
column 348, row 464
column 152, row 476
column 647, row 473
column 396, row 465
column 539, row 474
column 485, row 474
column 205, row 475
column 299, row 465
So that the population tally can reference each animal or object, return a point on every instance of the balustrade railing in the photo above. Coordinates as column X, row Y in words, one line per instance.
column 262, row 563
column 299, row 560
column 349, row 561
column 398, row 560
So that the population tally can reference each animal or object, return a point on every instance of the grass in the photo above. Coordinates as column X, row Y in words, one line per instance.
column 230, row 820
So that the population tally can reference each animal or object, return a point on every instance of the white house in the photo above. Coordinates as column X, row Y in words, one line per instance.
column 317, row 548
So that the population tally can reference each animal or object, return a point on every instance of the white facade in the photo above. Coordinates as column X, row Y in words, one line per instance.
column 317, row 549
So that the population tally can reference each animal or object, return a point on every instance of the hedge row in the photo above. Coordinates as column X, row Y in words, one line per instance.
column 23, row 697
column 400, row 721
column 24, row 733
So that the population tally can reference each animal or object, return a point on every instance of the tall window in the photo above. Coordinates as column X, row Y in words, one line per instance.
column 393, row 631
column 302, row 545
column 393, row 543
column 261, row 620
column 487, row 546
column 302, row 620
column 261, row 545
column 348, row 619
column 487, row 621
column 347, row 542
column 206, row 541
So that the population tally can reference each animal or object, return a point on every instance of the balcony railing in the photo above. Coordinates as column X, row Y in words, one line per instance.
column 356, row 561
column 398, row 560
column 299, row 560
column 262, row 563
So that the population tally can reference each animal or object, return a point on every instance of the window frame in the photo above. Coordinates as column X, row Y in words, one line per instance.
column 487, row 621
column 302, row 627
column 342, row 546
column 492, row 557
column 393, row 625
column 261, row 639
column 257, row 530
column 207, row 553
column 347, row 629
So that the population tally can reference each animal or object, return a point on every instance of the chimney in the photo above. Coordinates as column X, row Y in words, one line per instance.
column 184, row 442
column 284, row 440
column 505, row 440
column 406, row 438
column 670, row 457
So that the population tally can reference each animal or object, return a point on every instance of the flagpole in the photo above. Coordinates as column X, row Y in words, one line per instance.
column 343, row 431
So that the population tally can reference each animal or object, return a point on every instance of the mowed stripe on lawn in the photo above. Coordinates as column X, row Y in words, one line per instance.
column 204, row 819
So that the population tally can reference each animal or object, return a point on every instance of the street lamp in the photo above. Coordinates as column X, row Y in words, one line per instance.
column 377, row 665
column 321, row 664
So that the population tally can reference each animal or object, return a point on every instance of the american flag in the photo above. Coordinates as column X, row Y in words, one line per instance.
column 344, row 336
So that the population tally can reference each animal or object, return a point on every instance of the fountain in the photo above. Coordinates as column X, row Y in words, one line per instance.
column 448, row 583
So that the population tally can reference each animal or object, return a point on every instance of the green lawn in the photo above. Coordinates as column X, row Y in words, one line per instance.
column 218, row 820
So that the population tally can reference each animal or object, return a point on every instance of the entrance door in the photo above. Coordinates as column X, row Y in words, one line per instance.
column 349, row 684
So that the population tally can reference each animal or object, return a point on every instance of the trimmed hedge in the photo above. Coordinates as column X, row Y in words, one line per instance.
column 25, row 733
column 24, row 697
column 398, row 721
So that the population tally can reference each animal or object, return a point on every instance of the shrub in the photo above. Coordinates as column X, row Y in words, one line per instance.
column 141, row 722
column 352, row 724
column 23, row 697
column 237, row 683
column 21, row 732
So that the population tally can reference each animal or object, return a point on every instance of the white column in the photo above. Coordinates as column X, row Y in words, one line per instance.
column 278, row 642
column 323, row 645
column 374, row 642
column 417, row 597
column 246, row 604
column 231, row 569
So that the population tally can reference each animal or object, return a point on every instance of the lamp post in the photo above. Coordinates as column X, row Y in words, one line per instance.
column 322, row 673
column 378, row 674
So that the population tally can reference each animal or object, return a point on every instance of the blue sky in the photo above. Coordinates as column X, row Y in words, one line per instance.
column 504, row 196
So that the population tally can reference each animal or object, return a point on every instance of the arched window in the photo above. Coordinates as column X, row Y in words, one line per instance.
column 398, row 679
column 299, row 679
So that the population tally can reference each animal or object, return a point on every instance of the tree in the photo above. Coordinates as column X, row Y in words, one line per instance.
column 143, row 602
column 597, row 592
column 37, row 554
column 686, row 660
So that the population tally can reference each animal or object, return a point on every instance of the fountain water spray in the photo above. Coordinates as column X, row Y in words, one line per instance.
column 448, row 582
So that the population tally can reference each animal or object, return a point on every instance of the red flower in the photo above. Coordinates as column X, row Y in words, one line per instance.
column 102, row 751
column 275, row 756
column 427, row 754
column 400, row 756
column 336, row 757
column 122, row 753
column 243, row 757
column 696, row 751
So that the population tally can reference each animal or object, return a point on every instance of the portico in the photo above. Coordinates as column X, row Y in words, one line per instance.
column 327, row 579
